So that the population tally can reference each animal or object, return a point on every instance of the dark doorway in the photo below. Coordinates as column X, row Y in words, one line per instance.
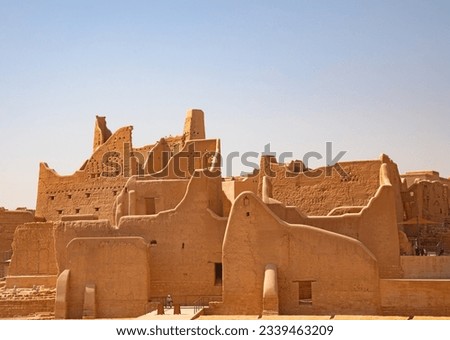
column 218, row 274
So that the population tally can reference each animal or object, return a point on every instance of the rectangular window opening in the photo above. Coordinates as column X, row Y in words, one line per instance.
column 217, row 274
column 305, row 292
column 150, row 207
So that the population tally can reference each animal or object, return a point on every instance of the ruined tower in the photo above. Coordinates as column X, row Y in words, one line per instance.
column 194, row 125
column 101, row 132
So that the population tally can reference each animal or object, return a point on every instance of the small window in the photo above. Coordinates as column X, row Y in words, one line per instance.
column 305, row 292
column 150, row 207
column 52, row 198
column 88, row 194
column 77, row 211
column 59, row 212
column 114, row 192
column 153, row 243
column 97, row 209
column 218, row 274
column 69, row 196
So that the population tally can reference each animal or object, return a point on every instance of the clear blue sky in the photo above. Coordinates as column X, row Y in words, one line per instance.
column 371, row 76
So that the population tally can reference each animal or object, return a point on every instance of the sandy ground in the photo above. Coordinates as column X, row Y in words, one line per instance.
column 319, row 317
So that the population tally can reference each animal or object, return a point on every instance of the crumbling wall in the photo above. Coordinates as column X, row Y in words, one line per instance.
column 9, row 221
column 195, row 155
column 23, row 307
column 428, row 175
column 375, row 225
column 317, row 192
column 94, row 187
column 194, row 126
column 90, row 190
column 34, row 258
column 428, row 200
column 101, row 132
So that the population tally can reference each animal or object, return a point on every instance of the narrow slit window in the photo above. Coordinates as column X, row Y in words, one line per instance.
column 217, row 274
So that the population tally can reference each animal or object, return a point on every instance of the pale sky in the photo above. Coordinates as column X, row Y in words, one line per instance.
column 370, row 76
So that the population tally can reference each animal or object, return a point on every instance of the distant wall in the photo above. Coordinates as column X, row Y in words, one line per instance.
column 320, row 191
column 375, row 225
column 118, row 267
column 9, row 221
column 428, row 175
column 428, row 200
column 425, row 267
column 317, row 192
column 415, row 297
column 91, row 189
column 195, row 155
column 338, row 272
column 40, row 249
column 33, row 251
column 26, row 307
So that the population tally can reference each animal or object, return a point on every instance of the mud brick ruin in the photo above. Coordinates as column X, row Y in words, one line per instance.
column 135, row 224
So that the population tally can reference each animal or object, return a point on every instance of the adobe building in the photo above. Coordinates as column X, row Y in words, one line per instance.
column 279, row 261
column 426, row 196
column 93, row 188
column 9, row 221
column 285, row 240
